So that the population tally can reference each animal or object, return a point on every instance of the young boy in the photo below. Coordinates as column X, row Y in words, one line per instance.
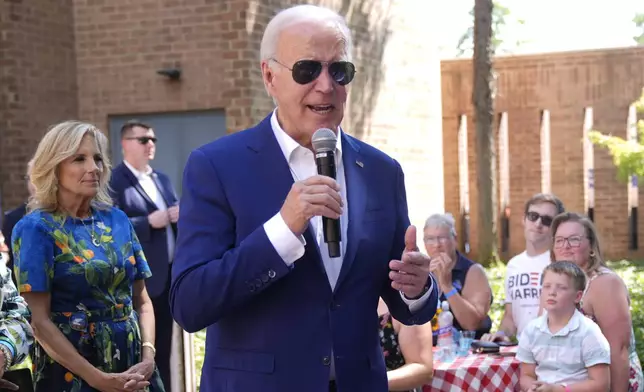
column 562, row 350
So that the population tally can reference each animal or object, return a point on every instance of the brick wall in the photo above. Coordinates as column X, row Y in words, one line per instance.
column 109, row 51
column 37, row 83
column 121, row 44
column 565, row 84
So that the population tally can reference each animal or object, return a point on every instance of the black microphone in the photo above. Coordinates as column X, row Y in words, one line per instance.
column 324, row 141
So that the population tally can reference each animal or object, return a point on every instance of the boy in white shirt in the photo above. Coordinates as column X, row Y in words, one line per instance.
column 562, row 350
column 523, row 273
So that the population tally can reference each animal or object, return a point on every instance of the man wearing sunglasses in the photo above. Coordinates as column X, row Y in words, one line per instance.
column 523, row 273
column 252, row 265
column 149, row 200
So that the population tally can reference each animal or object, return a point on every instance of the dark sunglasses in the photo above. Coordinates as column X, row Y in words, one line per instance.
column 534, row 216
column 306, row 71
column 143, row 139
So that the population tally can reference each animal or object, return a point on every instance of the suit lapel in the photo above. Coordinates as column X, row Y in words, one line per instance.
column 356, row 185
column 135, row 182
column 165, row 192
column 275, row 169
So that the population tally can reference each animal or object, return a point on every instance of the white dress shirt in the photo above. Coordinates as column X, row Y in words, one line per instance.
column 290, row 247
column 149, row 186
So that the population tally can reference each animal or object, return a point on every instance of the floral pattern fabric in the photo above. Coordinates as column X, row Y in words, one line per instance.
column 89, row 267
column 15, row 331
column 389, row 343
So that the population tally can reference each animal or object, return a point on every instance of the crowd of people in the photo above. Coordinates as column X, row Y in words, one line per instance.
column 105, row 260
column 566, row 310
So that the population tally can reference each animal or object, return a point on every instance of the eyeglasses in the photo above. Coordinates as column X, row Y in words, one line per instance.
column 574, row 241
column 306, row 71
column 532, row 216
column 436, row 240
column 143, row 139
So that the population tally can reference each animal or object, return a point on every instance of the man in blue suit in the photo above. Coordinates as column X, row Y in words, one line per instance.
column 149, row 200
column 252, row 265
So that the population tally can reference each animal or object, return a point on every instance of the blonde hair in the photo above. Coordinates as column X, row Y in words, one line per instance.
column 59, row 143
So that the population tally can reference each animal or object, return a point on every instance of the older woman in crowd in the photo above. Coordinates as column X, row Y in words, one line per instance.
column 80, row 267
column 605, row 300
column 463, row 283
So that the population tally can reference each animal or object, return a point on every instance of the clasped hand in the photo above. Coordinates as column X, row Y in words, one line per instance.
column 134, row 379
column 4, row 384
column 441, row 267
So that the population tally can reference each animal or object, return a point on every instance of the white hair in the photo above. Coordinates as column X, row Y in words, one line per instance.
column 442, row 220
column 298, row 14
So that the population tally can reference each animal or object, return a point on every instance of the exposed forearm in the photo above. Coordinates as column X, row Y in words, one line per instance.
column 409, row 376
column 62, row 351
column 591, row 386
column 619, row 369
column 147, row 325
column 468, row 316
column 507, row 325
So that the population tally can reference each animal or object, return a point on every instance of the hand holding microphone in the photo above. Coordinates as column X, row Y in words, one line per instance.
column 315, row 196
column 318, row 195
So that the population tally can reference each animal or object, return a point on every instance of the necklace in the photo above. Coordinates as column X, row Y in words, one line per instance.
column 93, row 235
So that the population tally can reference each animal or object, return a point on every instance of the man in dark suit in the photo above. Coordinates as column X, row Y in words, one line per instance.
column 12, row 217
column 282, row 313
column 149, row 200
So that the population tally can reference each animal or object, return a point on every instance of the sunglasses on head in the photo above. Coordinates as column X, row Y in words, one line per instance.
column 143, row 139
column 306, row 71
column 534, row 216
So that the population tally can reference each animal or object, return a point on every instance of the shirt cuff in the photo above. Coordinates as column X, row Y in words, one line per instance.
column 415, row 304
column 286, row 244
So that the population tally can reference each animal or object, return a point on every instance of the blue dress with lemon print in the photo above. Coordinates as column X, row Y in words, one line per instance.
column 88, row 266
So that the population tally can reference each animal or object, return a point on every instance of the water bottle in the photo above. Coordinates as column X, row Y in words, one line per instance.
column 446, row 346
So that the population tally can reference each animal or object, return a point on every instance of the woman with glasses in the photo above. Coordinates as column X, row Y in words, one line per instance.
column 605, row 300
column 463, row 283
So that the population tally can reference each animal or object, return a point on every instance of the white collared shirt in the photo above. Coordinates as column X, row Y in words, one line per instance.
column 566, row 355
column 149, row 186
column 290, row 248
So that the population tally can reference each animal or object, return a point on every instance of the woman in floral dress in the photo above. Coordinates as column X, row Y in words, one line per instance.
column 80, row 267
column 605, row 300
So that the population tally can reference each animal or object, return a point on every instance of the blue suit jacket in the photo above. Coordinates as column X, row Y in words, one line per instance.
column 129, row 196
column 271, row 327
column 10, row 219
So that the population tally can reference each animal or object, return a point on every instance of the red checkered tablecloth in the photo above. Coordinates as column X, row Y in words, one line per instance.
column 476, row 373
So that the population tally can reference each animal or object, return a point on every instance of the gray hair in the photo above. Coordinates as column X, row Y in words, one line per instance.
column 304, row 13
column 442, row 220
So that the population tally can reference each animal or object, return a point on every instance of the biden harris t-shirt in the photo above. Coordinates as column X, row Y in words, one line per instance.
column 523, row 286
